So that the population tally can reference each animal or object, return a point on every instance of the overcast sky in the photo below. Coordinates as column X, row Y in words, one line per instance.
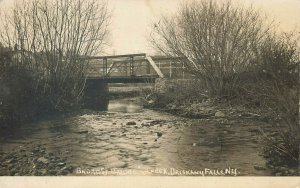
column 132, row 19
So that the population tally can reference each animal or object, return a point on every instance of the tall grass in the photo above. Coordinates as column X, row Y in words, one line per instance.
column 273, row 88
column 282, row 145
column 281, row 63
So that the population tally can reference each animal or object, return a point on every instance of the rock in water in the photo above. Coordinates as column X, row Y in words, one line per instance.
column 115, row 162
column 36, row 150
column 131, row 123
column 219, row 114
column 256, row 167
column 119, row 164
column 82, row 132
column 43, row 172
column 61, row 164
column 43, row 160
column 159, row 134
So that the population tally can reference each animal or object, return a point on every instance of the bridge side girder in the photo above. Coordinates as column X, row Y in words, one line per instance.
column 132, row 61
column 114, row 56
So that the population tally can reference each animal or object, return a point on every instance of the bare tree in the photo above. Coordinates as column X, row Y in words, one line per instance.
column 49, row 36
column 218, row 40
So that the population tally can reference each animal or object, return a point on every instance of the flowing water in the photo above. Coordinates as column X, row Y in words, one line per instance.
column 127, row 136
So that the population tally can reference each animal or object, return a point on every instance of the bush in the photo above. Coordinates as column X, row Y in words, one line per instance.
column 168, row 93
column 282, row 145
column 54, row 49
column 278, row 93
column 271, row 87
column 16, row 97
column 216, row 40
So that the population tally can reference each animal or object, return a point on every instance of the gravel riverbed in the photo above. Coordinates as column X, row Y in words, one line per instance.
column 130, row 137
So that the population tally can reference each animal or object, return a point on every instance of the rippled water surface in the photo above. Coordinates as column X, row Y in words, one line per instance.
column 131, row 137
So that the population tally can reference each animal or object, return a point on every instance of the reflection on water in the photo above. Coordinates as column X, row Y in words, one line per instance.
column 124, row 106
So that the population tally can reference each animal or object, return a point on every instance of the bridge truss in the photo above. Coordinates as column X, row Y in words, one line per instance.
column 135, row 68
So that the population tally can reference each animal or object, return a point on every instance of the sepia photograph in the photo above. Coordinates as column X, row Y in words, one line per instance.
column 139, row 88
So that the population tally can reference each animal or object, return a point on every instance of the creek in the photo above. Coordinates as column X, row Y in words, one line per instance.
column 128, row 136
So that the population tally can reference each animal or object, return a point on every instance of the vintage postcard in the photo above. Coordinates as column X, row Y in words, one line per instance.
column 135, row 89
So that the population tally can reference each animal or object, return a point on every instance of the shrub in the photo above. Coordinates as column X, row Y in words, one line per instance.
column 168, row 93
column 49, row 40
column 279, row 89
column 282, row 145
column 217, row 40
column 16, row 99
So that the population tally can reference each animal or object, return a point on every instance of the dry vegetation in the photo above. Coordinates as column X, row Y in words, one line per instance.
column 45, row 39
column 239, row 59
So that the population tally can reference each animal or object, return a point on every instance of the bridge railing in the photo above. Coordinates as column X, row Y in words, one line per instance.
column 131, row 65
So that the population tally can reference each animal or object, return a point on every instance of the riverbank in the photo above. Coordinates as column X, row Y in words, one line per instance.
column 261, row 121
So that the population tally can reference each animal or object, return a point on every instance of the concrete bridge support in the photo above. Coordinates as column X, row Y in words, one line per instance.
column 96, row 95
